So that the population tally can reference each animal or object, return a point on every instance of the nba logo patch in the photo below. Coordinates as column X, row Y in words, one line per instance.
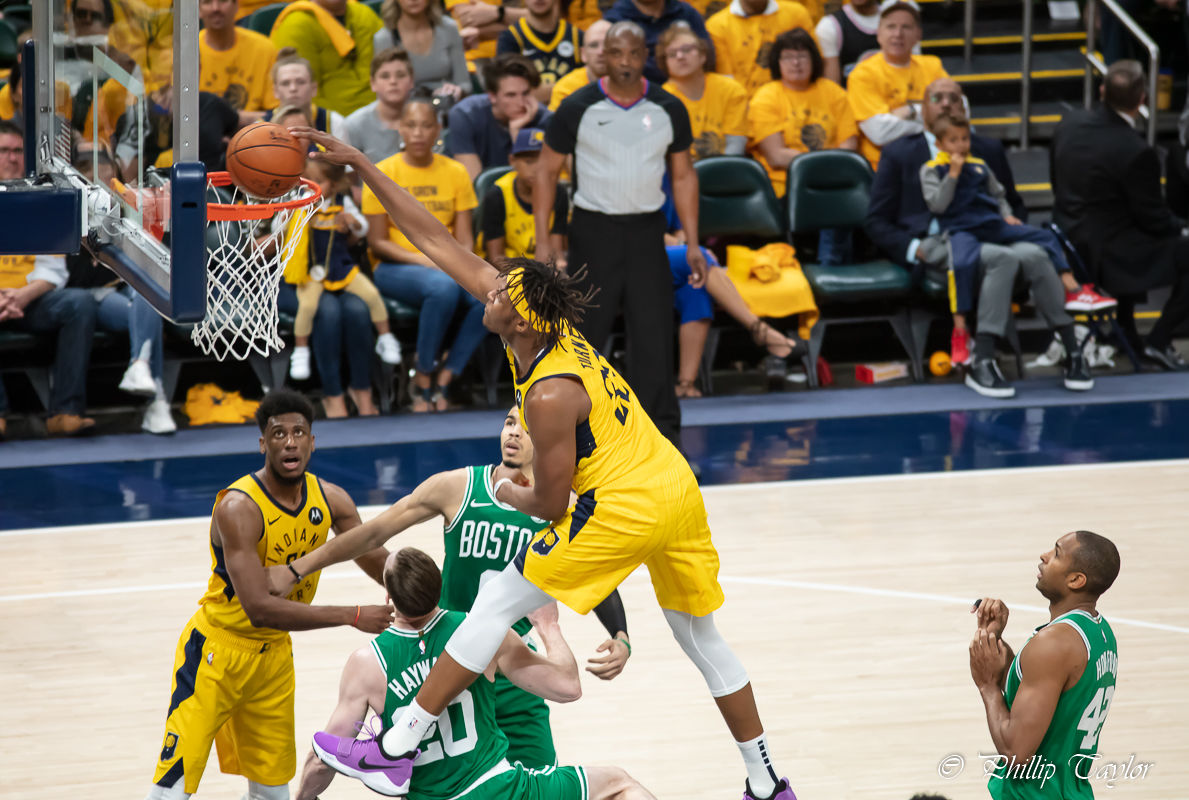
column 545, row 544
column 315, row 516
column 171, row 743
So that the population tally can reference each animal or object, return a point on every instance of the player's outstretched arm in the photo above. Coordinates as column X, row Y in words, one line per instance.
column 360, row 683
column 238, row 526
column 346, row 517
column 552, row 674
column 428, row 500
column 424, row 230
column 1045, row 666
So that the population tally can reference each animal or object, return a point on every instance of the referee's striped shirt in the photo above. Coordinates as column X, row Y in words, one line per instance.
column 619, row 151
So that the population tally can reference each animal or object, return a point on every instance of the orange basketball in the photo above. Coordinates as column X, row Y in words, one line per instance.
column 265, row 160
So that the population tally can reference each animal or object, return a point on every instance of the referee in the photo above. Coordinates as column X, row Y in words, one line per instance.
column 623, row 131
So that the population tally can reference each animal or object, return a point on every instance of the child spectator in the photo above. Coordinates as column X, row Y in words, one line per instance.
column 509, row 230
column 322, row 261
column 374, row 128
column 968, row 202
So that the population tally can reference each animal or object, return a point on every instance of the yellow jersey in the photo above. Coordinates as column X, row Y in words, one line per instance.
column 619, row 447
column 741, row 44
column 242, row 75
column 818, row 118
column 571, row 82
column 444, row 188
column 289, row 534
column 720, row 112
column 520, row 228
column 877, row 87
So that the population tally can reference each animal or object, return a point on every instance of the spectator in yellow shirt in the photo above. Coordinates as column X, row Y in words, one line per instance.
column 887, row 89
column 717, row 105
column 592, row 57
column 744, row 29
column 404, row 273
column 335, row 37
column 234, row 62
column 801, row 111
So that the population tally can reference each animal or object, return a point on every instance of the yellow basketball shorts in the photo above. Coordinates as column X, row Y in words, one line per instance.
column 609, row 533
column 236, row 692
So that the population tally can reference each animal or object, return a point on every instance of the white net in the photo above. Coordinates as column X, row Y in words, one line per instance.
column 245, row 261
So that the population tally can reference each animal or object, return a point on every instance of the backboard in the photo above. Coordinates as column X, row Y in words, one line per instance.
column 114, row 117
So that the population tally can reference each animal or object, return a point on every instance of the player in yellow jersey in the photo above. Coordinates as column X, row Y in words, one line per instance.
column 233, row 670
column 638, row 502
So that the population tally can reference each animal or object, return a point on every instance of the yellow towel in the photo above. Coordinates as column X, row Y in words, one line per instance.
column 207, row 404
column 772, row 284
column 340, row 37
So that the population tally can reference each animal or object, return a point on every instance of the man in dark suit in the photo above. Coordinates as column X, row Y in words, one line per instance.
column 1106, row 182
column 899, row 222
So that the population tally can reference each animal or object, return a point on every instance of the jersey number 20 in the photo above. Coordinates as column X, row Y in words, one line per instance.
column 441, row 737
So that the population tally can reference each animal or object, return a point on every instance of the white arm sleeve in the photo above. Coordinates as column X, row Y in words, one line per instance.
column 884, row 128
column 829, row 37
column 352, row 210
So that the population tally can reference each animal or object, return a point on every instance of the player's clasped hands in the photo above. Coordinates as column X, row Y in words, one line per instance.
column 991, row 615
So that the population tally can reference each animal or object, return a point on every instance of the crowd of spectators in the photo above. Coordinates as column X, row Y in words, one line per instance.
column 601, row 109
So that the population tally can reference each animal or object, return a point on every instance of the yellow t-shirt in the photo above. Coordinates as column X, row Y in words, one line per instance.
column 721, row 112
column 877, row 87
column 484, row 49
column 571, row 82
column 741, row 44
column 708, row 8
column 14, row 271
column 818, row 118
column 241, row 75
column 444, row 187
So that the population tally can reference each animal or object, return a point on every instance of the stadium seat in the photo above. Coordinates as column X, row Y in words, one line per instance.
column 262, row 19
column 19, row 15
column 830, row 189
column 736, row 200
column 374, row 5
column 483, row 183
column 8, row 45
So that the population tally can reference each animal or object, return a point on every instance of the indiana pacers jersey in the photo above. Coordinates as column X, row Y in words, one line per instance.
column 618, row 446
column 289, row 534
column 1066, row 755
column 520, row 229
column 553, row 54
column 484, row 536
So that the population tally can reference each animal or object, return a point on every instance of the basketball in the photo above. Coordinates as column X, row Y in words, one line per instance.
column 265, row 160
column 939, row 363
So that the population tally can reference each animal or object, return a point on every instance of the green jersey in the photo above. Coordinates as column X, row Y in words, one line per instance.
column 482, row 539
column 1064, row 760
column 465, row 742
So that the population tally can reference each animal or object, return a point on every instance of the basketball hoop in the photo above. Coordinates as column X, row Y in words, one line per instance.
column 249, row 242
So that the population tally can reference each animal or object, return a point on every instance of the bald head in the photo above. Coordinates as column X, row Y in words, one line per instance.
column 592, row 47
column 943, row 98
column 628, row 29
column 626, row 52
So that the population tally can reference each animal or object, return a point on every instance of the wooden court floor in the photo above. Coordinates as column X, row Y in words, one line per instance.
column 847, row 600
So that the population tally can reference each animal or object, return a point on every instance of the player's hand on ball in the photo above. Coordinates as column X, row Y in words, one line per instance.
column 373, row 619
column 333, row 150
column 544, row 616
column 991, row 615
column 610, row 665
column 280, row 579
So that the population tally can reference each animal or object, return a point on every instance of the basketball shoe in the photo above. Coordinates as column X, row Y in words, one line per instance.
column 782, row 792
column 365, row 760
column 960, row 346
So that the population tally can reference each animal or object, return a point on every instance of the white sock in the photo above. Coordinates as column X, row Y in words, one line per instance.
column 760, row 775
column 407, row 731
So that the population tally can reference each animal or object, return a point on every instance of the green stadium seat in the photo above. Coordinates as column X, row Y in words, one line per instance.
column 374, row 5
column 831, row 189
column 8, row 45
column 736, row 200
column 261, row 20
column 483, row 183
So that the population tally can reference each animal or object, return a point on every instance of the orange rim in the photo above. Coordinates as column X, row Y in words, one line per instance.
column 261, row 209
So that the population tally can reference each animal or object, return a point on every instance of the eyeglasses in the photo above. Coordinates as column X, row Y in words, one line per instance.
column 939, row 97
column 795, row 55
column 684, row 50
column 86, row 15
column 12, row 152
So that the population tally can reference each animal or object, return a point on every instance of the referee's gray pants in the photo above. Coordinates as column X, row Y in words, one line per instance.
column 625, row 260
column 1001, row 265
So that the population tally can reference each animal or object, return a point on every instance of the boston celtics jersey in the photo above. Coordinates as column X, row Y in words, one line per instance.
column 288, row 535
column 618, row 444
column 1064, row 759
column 465, row 742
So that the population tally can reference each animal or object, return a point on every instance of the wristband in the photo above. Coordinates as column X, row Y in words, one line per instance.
column 293, row 569
column 499, row 16
column 626, row 643
column 355, row 621
column 496, row 489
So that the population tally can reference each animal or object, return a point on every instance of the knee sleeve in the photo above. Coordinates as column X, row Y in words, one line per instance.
column 259, row 791
column 501, row 601
column 701, row 641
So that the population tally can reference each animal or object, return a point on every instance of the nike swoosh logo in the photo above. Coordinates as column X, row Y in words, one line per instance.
column 365, row 764
column 273, row 521
column 604, row 122
column 477, row 504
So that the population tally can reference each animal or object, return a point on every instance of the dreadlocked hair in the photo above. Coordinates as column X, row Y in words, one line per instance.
column 552, row 295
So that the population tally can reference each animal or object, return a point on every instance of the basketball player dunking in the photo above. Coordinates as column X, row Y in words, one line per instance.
column 233, row 672
column 638, row 502
column 482, row 535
